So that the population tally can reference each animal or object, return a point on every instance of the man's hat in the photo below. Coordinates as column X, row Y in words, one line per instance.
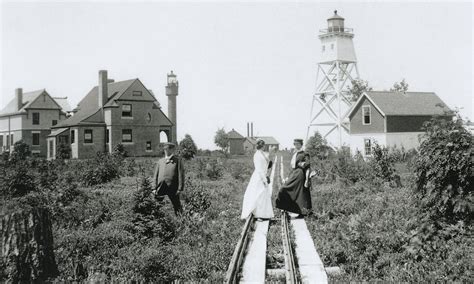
column 169, row 145
column 298, row 141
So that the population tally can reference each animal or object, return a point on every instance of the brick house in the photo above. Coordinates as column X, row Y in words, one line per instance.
column 392, row 119
column 29, row 117
column 112, row 113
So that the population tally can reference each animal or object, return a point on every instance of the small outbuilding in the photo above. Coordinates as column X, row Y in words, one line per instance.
column 236, row 142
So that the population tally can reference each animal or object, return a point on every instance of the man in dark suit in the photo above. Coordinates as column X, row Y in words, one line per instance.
column 169, row 177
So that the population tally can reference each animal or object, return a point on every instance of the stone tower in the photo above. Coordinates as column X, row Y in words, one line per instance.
column 172, row 93
column 336, row 70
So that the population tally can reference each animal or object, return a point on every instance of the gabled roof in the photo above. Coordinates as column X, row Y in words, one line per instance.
column 89, row 105
column 62, row 101
column 269, row 140
column 399, row 103
column 234, row 135
column 252, row 140
column 28, row 99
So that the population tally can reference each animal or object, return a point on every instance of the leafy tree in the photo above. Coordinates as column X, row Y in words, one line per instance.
column 443, row 170
column 187, row 147
column 222, row 139
column 401, row 86
column 358, row 87
column 21, row 151
column 316, row 146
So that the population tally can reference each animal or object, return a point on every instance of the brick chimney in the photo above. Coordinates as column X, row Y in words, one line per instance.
column 19, row 98
column 248, row 130
column 103, row 91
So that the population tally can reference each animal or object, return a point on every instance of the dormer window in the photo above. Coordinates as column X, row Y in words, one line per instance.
column 126, row 110
column 366, row 119
column 137, row 93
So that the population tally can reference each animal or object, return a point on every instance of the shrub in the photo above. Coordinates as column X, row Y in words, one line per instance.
column 443, row 170
column 187, row 148
column 213, row 169
column 348, row 168
column 382, row 163
column 16, row 180
column 63, row 151
column 47, row 173
column 196, row 199
column 102, row 169
column 150, row 221
column 240, row 171
column 21, row 151
column 119, row 151
column 129, row 167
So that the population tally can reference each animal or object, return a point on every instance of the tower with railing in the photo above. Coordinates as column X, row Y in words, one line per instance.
column 337, row 68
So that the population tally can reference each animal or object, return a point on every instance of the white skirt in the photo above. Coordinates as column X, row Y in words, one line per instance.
column 257, row 199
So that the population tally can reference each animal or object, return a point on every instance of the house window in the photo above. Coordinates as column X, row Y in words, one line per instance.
column 88, row 136
column 324, row 48
column 126, row 110
column 55, row 122
column 367, row 147
column 36, row 118
column 136, row 93
column 107, row 133
column 126, row 135
column 63, row 139
column 72, row 136
column 51, row 148
column 13, row 140
column 8, row 140
column 332, row 46
column 36, row 139
column 366, row 115
column 148, row 145
column 1, row 141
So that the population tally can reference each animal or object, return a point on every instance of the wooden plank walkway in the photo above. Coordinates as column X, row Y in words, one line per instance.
column 310, row 265
column 253, row 269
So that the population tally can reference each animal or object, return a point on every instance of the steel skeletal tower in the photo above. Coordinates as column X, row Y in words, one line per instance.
column 336, row 70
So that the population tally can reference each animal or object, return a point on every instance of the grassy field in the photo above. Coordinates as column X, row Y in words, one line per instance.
column 117, row 231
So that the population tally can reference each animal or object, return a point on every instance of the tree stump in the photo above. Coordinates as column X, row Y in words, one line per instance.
column 27, row 246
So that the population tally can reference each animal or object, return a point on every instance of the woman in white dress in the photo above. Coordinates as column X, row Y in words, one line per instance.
column 258, row 195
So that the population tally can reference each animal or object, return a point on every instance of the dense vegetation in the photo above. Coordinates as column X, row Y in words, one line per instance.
column 398, row 216
column 108, row 225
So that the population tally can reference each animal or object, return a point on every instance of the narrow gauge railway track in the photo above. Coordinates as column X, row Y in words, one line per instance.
column 251, row 244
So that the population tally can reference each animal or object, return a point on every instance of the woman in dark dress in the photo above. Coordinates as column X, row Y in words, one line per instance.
column 294, row 196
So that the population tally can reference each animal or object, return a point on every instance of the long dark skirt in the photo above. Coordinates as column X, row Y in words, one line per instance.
column 293, row 195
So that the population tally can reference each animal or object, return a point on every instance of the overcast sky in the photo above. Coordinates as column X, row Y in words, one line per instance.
column 236, row 62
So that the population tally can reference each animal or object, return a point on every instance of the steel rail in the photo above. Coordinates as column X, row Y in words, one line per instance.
column 239, row 252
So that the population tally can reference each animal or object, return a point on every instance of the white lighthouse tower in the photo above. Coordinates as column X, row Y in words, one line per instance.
column 336, row 70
